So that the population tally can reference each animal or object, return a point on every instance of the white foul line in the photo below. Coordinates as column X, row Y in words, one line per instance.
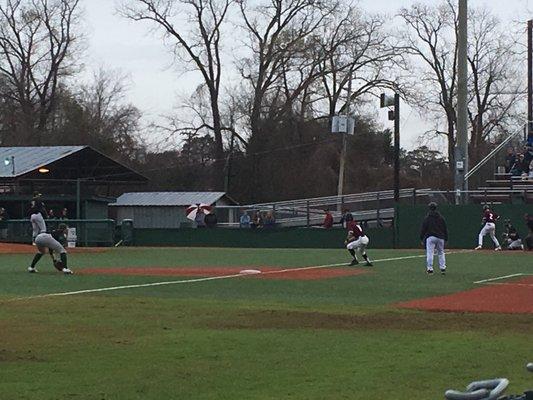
column 498, row 278
column 211, row 278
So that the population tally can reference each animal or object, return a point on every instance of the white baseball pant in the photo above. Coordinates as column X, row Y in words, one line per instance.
column 38, row 225
column 433, row 243
column 490, row 229
column 359, row 244
column 47, row 241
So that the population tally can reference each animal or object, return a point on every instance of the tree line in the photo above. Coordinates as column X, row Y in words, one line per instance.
column 272, row 74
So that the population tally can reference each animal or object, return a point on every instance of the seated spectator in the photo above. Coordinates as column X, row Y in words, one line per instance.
column 328, row 220
column 510, row 159
column 3, row 223
column 257, row 221
column 346, row 218
column 211, row 220
column 200, row 219
column 528, row 159
column 64, row 214
column 270, row 220
column 51, row 214
column 244, row 221
column 518, row 167
column 530, row 176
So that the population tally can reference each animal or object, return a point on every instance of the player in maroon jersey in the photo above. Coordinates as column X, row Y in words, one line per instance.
column 489, row 227
column 357, row 240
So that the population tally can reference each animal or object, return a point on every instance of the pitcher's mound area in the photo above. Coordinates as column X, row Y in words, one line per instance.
column 514, row 297
column 266, row 272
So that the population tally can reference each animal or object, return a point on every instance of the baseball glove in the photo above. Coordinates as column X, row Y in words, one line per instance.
column 58, row 264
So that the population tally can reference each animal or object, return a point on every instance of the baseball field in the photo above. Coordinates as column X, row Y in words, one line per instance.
column 186, row 323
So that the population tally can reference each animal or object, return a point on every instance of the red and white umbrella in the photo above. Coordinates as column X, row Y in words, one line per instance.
column 194, row 209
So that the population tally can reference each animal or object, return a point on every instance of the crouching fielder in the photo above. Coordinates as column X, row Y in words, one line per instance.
column 434, row 234
column 357, row 240
column 51, row 243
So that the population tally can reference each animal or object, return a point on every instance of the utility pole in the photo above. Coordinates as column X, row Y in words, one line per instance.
column 461, row 148
column 529, row 129
column 342, row 163
column 396, row 148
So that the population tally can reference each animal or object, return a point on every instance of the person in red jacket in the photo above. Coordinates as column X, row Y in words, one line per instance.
column 328, row 220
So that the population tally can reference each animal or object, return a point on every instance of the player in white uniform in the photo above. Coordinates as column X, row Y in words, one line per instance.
column 357, row 240
column 37, row 215
column 489, row 228
column 51, row 242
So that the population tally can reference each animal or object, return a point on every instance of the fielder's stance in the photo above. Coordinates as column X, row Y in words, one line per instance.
column 52, row 242
column 357, row 240
column 37, row 215
column 434, row 234
column 489, row 227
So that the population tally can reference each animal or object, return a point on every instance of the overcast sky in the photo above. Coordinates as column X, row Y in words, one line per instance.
column 155, row 87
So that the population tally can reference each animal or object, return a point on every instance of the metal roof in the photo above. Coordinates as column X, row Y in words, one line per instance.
column 28, row 159
column 167, row 198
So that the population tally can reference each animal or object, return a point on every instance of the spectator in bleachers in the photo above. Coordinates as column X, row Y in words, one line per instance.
column 346, row 218
column 510, row 159
column 51, row 214
column 257, row 221
column 244, row 221
column 211, row 220
column 3, row 223
column 528, row 157
column 64, row 214
column 270, row 220
column 200, row 219
column 520, row 167
column 328, row 220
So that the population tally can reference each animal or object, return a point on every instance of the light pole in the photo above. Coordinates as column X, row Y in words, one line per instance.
column 394, row 115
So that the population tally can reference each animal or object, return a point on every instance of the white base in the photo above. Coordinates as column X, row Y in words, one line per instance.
column 249, row 272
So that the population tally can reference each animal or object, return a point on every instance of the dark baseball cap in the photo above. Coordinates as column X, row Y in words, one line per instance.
column 432, row 206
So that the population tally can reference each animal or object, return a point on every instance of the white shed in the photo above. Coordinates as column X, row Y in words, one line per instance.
column 163, row 209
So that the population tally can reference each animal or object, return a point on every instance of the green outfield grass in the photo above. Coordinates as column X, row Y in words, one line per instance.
column 250, row 338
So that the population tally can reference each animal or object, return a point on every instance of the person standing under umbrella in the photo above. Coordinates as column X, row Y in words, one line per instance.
column 434, row 235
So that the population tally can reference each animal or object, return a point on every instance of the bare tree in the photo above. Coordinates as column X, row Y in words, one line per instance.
column 37, row 41
column 430, row 36
column 358, row 49
column 195, row 28
column 281, row 36
column 495, row 89
column 495, row 83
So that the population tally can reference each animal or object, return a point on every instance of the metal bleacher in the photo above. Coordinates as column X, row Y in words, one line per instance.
column 505, row 189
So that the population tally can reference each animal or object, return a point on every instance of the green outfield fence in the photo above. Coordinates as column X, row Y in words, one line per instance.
column 464, row 223
column 256, row 238
column 89, row 232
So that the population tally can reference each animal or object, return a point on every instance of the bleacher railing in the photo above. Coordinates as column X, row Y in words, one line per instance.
column 376, row 208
